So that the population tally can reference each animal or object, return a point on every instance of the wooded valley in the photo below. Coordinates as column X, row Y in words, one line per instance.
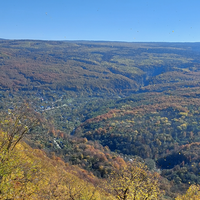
column 99, row 120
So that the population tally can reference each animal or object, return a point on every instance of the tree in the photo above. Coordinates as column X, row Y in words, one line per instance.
column 14, row 124
column 134, row 182
column 193, row 193
column 18, row 173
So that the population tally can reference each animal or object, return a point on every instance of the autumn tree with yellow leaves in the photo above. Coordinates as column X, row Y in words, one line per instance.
column 193, row 193
column 18, row 172
column 14, row 124
column 134, row 182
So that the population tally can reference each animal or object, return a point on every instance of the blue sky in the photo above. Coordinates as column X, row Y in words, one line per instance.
column 109, row 20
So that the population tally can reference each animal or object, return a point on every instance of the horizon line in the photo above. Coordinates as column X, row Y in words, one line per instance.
column 120, row 41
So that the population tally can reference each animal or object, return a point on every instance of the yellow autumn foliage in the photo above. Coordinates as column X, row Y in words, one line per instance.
column 29, row 174
column 193, row 193
column 134, row 182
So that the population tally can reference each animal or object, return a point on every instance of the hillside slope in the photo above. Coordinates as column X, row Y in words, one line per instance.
column 97, row 66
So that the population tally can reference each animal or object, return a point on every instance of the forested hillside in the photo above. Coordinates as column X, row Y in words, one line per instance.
column 98, row 66
column 94, row 109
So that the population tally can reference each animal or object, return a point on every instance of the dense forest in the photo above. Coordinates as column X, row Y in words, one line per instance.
column 99, row 120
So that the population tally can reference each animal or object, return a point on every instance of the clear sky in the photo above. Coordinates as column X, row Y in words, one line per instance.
column 109, row 20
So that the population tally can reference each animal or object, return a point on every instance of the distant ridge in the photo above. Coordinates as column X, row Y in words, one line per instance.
column 94, row 66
